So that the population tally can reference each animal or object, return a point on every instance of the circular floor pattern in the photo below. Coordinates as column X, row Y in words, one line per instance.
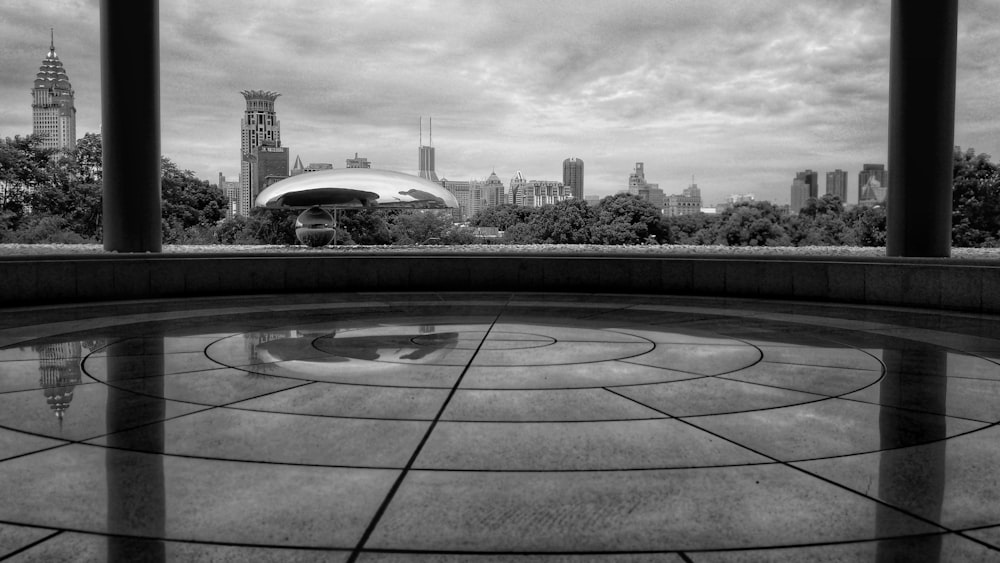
column 453, row 426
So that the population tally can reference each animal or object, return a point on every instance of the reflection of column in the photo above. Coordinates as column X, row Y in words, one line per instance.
column 912, row 479
column 923, row 51
column 136, row 492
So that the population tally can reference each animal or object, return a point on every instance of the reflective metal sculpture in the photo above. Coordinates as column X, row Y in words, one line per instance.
column 350, row 188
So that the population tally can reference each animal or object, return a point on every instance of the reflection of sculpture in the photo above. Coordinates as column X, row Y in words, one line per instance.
column 351, row 188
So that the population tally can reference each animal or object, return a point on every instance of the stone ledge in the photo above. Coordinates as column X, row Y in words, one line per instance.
column 934, row 283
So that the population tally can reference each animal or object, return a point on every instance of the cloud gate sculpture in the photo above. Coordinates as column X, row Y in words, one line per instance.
column 351, row 188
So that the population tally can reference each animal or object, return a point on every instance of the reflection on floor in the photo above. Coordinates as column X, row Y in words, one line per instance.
column 472, row 427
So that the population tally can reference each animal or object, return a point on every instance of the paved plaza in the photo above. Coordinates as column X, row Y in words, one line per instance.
column 496, row 427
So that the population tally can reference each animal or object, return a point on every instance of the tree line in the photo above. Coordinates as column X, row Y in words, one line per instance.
column 55, row 197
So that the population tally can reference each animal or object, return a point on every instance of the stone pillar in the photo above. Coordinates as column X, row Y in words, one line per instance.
column 921, row 126
column 130, row 108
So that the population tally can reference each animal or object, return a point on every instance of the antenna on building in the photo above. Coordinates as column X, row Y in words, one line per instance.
column 421, row 131
column 430, row 126
column 52, row 45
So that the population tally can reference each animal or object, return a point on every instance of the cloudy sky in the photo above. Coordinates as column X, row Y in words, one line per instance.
column 739, row 94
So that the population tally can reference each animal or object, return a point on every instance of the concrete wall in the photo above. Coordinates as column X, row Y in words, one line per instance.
column 932, row 283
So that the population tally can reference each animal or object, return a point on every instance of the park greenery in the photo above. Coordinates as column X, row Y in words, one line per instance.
column 55, row 197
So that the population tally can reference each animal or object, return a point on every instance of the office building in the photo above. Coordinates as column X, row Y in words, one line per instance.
column 425, row 155
column 493, row 191
column 299, row 168
column 53, row 114
column 637, row 179
column 232, row 191
column 804, row 187
column 573, row 176
column 638, row 186
column 264, row 161
column 359, row 162
column 869, row 171
column 836, row 184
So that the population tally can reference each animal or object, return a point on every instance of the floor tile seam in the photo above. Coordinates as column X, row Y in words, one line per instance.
column 679, row 551
column 32, row 545
column 189, row 541
column 634, row 363
column 590, row 470
column 919, row 411
column 567, row 422
column 803, row 471
column 397, row 484
column 38, row 451
column 823, row 396
column 244, row 461
column 819, row 366
column 36, row 389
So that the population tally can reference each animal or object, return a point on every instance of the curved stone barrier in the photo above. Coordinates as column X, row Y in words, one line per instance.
column 966, row 285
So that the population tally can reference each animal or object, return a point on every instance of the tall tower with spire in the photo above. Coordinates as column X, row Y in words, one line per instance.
column 425, row 154
column 53, row 111
column 263, row 158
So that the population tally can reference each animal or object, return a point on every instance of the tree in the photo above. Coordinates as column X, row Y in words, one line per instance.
column 866, row 226
column 626, row 219
column 975, row 200
column 566, row 222
column 187, row 202
column 364, row 226
column 756, row 223
column 502, row 216
column 420, row 227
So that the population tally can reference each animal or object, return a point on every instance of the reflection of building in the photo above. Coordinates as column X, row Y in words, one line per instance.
column 573, row 176
column 59, row 365
column 358, row 162
column 836, row 184
column 232, row 191
column 425, row 155
column 298, row 168
column 869, row 171
column 873, row 194
column 260, row 147
column 53, row 112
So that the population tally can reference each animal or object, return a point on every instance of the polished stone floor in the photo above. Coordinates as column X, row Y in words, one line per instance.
column 495, row 427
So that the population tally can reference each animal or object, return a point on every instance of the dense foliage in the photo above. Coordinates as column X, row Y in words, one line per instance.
column 48, row 196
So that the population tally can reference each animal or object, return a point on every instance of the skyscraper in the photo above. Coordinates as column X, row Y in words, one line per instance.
column 53, row 112
column 869, row 171
column 264, row 160
column 836, row 184
column 573, row 176
column 425, row 154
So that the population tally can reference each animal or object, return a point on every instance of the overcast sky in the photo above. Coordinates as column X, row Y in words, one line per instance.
column 740, row 94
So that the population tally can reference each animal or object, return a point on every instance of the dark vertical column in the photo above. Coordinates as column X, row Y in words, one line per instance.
column 921, row 126
column 130, row 108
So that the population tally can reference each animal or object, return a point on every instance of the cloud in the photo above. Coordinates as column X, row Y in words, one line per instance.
column 742, row 94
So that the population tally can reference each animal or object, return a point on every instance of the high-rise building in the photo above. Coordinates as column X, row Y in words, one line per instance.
column 800, row 195
column 637, row 179
column 536, row 193
column 53, row 112
column 493, row 191
column 869, row 171
column 425, row 155
column 264, row 161
column 358, row 162
column 573, row 176
column 836, row 184
column 232, row 191
column 804, row 187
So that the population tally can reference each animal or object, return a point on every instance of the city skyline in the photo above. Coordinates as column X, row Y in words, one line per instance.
column 740, row 96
